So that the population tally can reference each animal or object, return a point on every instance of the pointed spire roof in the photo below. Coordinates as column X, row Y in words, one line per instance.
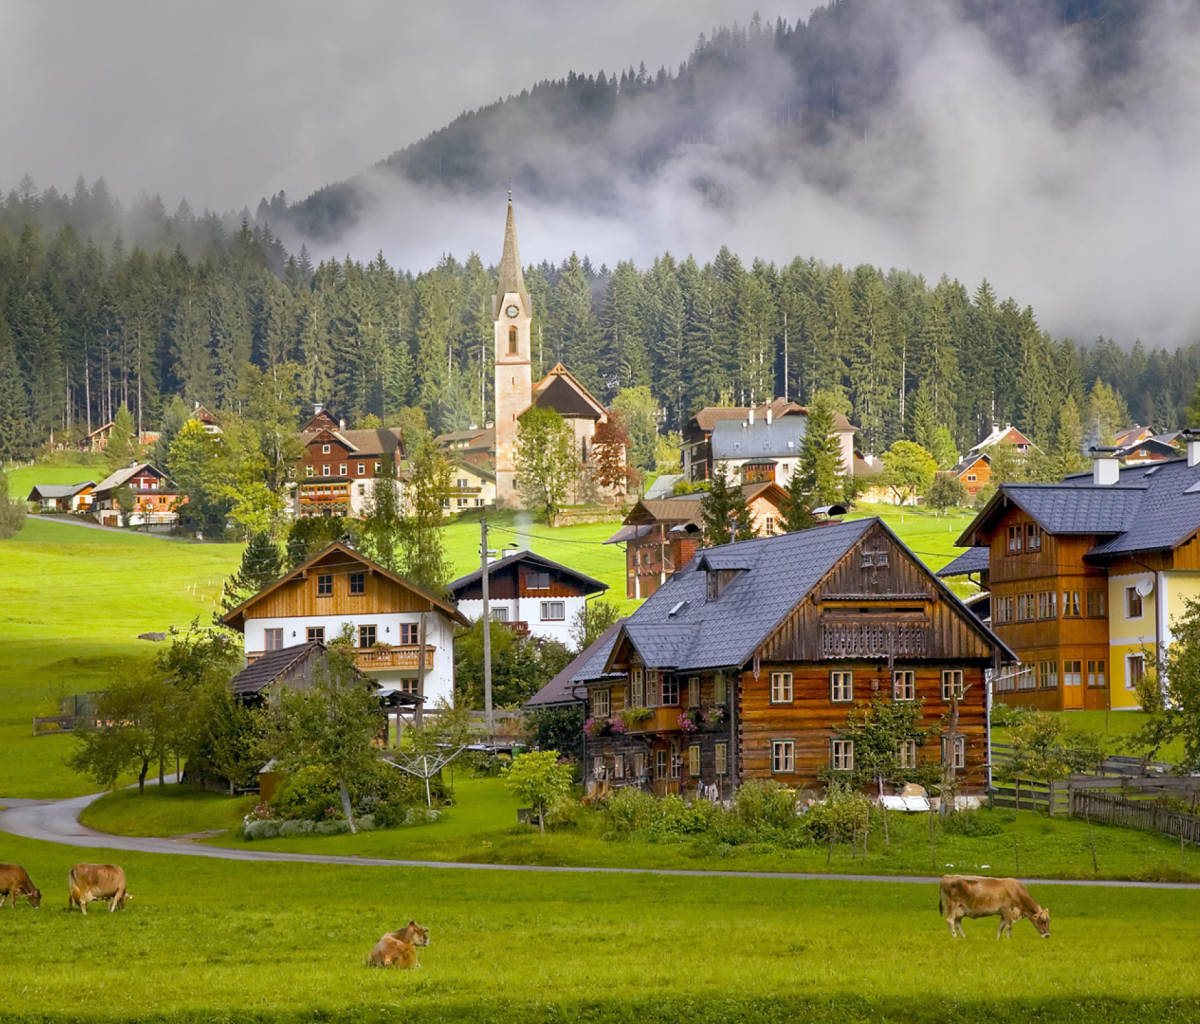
column 511, row 278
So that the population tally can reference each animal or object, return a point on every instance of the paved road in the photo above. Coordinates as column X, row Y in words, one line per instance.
column 56, row 821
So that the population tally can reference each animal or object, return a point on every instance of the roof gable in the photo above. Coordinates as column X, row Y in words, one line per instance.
column 342, row 556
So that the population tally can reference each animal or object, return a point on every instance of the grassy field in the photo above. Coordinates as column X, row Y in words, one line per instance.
column 72, row 602
column 165, row 811
column 211, row 940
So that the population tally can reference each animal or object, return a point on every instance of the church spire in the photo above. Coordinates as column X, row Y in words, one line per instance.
column 512, row 280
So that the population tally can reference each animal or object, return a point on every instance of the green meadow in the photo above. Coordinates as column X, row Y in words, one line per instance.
column 208, row 940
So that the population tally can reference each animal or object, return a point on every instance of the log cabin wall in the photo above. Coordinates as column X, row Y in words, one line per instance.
column 812, row 720
column 1044, row 628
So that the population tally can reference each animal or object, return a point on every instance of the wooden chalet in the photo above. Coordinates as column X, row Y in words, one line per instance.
column 63, row 497
column 338, row 469
column 530, row 593
column 745, row 663
column 1085, row 575
column 662, row 534
column 155, row 498
column 403, row 635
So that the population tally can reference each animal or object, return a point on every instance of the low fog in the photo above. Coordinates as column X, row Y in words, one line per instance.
column 970, row 171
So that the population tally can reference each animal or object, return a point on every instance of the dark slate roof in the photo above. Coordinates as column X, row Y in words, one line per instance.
column 737, row 439
column 971, row 560
column 780, row 571
column 560, row 689
column 1153, row 507
column 264, row 670
column 586, row 582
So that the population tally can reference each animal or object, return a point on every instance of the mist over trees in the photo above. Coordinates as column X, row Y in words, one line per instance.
column 206, row 315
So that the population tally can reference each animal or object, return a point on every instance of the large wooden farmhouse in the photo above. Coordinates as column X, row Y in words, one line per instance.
column 404, row 635
column 744, row 664
column 337, row 473
column 1085, row 575
column 530, row 593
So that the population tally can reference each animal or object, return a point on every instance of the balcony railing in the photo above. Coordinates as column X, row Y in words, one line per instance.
column 374, row 658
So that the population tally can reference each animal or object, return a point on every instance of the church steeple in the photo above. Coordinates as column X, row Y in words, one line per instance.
column 512, row 280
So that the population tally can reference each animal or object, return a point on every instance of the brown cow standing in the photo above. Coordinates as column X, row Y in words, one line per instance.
column 399, row 948
column 14, row 882
column 972, row 896
column 97, row 882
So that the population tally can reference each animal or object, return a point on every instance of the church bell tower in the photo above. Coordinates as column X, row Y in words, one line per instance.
column 512, row 313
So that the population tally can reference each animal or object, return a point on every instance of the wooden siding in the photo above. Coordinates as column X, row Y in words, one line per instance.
column 812, row 720
column 867, row 610
column 299, row 597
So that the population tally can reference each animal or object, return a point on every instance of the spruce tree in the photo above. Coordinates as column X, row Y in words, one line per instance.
column 820, row 462
column 262, row 563
column 725, row 512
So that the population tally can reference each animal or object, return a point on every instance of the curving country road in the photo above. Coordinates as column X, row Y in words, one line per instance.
column 57, row 821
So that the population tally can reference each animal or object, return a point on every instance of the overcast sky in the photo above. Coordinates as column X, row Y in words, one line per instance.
column 968, row 170
column 225, row 102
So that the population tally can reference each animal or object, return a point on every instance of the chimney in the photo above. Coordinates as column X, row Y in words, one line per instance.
column 750, row 417
column 1106, row 469
column 1192, row 437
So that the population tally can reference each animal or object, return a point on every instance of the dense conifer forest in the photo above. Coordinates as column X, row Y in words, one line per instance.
column 102, row 306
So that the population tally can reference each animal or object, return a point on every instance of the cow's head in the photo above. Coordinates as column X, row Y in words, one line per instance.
column 1041, row 921
column 420, row 936
column 35, row 898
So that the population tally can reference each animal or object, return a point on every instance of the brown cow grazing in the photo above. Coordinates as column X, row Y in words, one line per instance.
column 972, row 896
column 97, row 882
column 399, row 949
column 14, row 882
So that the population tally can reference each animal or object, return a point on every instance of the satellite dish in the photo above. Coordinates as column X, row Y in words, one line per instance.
column 1144, row 587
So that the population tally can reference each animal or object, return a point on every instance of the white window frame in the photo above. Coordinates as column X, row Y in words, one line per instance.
column 952, row 683
column 904, row 684
column 841, row 755
column 783, row 757
column 841, row 687
column 782, row 687
column 548, row 608
column 601, row 703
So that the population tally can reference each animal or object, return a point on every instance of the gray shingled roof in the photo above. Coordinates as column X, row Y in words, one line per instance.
column 561, row 689
column 971, row 560
column 713, row 634
column 737, row 439
column 266, row 668
column 593, row 586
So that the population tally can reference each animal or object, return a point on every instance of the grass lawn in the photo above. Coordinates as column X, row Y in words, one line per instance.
column 482, row 829
column 72, row 602
column 213, row 940
column 165, row 811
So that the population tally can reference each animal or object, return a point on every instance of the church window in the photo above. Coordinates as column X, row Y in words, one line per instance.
column 512, row 341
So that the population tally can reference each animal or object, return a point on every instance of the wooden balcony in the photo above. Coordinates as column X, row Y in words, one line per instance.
column 373, row 659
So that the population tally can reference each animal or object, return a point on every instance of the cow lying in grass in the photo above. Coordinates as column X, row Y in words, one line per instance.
column 399, row 949
column 97, row 882
column 972, row 896
column 14, row 882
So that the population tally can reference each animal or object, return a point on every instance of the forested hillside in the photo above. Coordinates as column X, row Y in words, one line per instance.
column 767, row 99
column 89, row 320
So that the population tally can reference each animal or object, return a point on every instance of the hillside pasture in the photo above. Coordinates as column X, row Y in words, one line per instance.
column 217, row 940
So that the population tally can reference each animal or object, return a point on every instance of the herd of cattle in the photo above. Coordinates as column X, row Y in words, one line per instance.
column 960, row 896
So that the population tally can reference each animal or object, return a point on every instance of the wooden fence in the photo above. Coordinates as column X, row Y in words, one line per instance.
column 1140, row 814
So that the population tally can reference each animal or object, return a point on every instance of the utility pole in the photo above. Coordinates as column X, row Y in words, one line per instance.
column 487, row 628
